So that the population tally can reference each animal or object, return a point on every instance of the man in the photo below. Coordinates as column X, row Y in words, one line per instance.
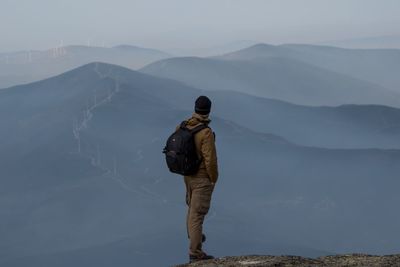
column 200, row 186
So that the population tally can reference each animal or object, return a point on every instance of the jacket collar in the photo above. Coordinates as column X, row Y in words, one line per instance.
column 197, row 119
column 201, row 118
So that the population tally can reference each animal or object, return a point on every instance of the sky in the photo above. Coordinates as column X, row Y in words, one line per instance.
column 168, row 24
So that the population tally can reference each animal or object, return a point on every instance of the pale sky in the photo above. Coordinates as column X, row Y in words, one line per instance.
column 41, row 24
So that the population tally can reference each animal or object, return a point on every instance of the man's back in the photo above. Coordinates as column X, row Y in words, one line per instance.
column 205, row 147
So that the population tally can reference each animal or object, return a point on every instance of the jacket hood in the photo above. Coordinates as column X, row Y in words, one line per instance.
column 196, row 119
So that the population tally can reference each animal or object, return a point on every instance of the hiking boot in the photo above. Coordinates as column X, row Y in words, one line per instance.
column 201, row 257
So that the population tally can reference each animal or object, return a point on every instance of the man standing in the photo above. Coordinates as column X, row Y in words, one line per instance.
column 200, row 186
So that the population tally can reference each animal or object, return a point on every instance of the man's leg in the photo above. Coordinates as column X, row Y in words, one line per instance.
column 188, row 197
column 201, row 191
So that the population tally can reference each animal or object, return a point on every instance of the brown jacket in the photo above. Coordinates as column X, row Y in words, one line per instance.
column 205, row 146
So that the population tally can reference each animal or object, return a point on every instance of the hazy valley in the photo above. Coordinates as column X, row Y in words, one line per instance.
column 84, row 181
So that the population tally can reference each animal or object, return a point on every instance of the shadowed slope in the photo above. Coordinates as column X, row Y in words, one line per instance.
column 275, row 77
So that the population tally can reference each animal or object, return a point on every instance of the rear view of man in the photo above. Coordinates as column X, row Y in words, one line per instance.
column 200, row 185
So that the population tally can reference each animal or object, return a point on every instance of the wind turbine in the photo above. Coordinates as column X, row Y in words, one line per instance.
column 98, row 158
column 95, row 98
column 115, row 167
column 62, row 48
column 76, row 132
column 29, row 56
column 55, row 51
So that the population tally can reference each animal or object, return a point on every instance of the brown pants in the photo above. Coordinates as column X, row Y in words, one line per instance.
column 198, row 198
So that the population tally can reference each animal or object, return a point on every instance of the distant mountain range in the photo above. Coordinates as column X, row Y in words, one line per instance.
column 83, row 178
column 302, row 74
column 347, row 126
column 372, row 42
column 28, row 66
column 213, row 50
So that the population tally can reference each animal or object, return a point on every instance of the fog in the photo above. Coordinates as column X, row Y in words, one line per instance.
column 84, row 181
column 190, row 24
column 307, row 134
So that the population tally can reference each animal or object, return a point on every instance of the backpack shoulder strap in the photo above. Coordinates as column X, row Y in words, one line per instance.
column 183, row 125
column 198, row 128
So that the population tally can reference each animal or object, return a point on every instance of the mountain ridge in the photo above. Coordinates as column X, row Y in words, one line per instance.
column 279, row 77
column 28, row 66
column 378, row 66
column 281, row 118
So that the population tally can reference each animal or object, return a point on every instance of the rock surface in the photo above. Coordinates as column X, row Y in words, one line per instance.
column 288, row 261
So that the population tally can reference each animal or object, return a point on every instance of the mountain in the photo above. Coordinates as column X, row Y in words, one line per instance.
column 372, row 42
column 273, row 76
column 214, row 50
column 83, row 181
column 346, row 126
column 137, row 49
column 378, row 66
column 28, row 66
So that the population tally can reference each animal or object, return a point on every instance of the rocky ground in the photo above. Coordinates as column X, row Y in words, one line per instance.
column 288, row 261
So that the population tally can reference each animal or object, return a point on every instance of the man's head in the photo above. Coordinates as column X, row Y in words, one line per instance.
column 202, row 105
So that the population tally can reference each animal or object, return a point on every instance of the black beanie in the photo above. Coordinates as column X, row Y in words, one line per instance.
column 202, row 105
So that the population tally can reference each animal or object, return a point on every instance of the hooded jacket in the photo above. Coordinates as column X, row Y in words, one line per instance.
column 205, row 147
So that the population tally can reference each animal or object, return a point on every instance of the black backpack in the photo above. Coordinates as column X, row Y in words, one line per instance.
column 180, row 150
